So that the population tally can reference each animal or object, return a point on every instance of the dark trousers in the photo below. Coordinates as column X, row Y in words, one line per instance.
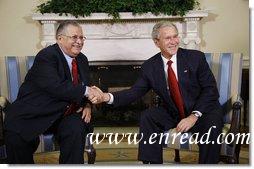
column 157, row 120
column 70, row 131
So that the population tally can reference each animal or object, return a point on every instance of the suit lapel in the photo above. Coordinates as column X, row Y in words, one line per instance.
column 82, row 71
column 183, row 74
column 182, row 67
column 65, row 64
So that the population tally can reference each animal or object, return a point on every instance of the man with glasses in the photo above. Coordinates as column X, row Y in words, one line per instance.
column 53, row 98
column 189, row 95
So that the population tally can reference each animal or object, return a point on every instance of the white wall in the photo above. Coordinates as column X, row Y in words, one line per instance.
column 19, row 34
column 227, row 27
column 225, row 30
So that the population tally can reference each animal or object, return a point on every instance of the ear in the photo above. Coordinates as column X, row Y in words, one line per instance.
column 58, row 37
column 156, row 42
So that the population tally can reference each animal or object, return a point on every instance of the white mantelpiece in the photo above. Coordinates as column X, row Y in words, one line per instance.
column 129, row 39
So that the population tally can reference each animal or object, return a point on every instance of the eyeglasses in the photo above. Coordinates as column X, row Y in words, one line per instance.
column 75, row 37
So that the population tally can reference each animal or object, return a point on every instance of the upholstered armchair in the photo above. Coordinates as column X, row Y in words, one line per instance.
column 227, row 69
column 12, row 72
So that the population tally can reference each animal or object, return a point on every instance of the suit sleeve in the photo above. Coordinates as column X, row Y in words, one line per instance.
column 45, row 74
column 209, row 93
column 86, row 72
column 139, row 89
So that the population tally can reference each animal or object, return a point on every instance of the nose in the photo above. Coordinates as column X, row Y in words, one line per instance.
column 80, row 41
column 174, row 41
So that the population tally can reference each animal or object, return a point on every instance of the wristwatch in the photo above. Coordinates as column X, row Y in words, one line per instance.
column 197, row 114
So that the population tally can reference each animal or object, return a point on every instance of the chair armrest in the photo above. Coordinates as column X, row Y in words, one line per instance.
column 236, row 101
column 237, row 106
column 3, row 102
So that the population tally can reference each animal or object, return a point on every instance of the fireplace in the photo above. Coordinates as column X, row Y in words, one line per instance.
column 125, row 39
column 114, row 76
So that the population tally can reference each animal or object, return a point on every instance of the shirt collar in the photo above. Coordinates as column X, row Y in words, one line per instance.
column 165, row 60
column 67, row 57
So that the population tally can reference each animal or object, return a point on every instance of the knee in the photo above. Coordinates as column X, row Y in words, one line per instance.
column 13, row 140
column 213, row 120
column 77, row 127
column 148, row 114
column 15, row 143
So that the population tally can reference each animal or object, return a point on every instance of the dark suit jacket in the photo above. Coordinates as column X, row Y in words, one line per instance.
column 45, row 93
column 197, row 83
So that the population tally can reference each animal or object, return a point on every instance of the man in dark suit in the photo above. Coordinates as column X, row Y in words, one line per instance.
column 188, row 91
column 52, row 98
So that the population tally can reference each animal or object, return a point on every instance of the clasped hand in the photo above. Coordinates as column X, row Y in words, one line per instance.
column 96, row 96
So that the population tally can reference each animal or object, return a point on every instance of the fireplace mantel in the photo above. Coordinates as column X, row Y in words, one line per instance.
column 128, row 39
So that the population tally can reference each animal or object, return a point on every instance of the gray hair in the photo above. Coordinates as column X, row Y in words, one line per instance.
column 63, row 25
column 159, row 25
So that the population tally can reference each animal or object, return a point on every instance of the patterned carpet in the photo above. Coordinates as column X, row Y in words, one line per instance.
column 128, row 156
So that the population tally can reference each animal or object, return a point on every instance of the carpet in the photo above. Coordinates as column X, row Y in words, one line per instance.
column 128, row 156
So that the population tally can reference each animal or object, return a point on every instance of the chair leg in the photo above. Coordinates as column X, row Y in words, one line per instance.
column 177, row 156
column 91, row 155
column 237, row 152
column 232, row 160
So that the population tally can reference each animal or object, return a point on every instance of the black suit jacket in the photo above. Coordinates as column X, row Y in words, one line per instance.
column 197, row 83
column 45, row 93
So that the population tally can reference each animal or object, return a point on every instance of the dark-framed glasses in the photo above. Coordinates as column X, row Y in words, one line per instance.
column 75, row 37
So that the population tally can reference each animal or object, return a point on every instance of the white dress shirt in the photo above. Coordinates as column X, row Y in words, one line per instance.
column 173, row 65
column 69, row 61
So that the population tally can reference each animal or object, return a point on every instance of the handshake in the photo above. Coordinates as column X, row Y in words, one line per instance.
column 96, row 96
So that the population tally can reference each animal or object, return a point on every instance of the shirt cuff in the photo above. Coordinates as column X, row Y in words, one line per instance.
column 86, row 92
column 111, row 99
column 198, row 112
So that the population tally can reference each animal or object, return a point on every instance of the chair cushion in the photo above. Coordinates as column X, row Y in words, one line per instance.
column 47, row 143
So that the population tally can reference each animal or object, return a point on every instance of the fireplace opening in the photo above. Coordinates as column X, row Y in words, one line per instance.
column 111, row 76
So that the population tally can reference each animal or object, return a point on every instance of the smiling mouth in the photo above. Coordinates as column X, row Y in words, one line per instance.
column 77, row 47
column 172, row 47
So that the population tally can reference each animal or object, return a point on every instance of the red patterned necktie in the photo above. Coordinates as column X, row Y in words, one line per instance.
column 74, row 71
column 174, row 90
